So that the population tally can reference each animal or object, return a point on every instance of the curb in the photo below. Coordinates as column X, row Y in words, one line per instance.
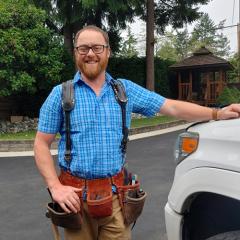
column 27, row 145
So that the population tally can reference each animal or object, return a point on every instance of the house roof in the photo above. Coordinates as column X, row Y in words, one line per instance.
column 202, row 58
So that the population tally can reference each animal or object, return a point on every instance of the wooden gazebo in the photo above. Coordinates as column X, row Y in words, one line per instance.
column 201, row 77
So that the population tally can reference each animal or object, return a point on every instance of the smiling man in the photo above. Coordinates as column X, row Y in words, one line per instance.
column 92, row 56
column 92, row 182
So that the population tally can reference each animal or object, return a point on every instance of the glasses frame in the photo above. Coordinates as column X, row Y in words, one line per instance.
column 92, row 48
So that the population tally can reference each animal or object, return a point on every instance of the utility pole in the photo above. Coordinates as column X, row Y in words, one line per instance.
column 150, row 46
column 238, row 36
column 238, row 29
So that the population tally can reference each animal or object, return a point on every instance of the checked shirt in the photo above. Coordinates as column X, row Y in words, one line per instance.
column 96, row 125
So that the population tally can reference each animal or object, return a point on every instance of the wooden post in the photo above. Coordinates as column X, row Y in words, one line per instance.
column 208, row 90
column 179, row 86
column 190, row 86
column 223, row 80
column 220, row 83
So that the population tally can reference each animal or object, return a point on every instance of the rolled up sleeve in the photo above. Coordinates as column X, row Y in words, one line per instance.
column 50, row 116
column 144, row 102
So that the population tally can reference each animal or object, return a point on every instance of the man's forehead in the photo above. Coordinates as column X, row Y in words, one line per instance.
column 91, row 36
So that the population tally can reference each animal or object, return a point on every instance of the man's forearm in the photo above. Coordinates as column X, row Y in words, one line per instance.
column 193, row 112
column 187, row 111
column 66, row 196
column 45, row 163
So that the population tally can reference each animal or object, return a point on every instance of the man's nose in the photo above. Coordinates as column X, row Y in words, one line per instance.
column 90, row 52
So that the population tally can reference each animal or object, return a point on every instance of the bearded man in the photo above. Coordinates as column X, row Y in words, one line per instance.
column 96, row 132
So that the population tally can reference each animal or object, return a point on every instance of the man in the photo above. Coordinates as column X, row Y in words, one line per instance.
column 96, row 132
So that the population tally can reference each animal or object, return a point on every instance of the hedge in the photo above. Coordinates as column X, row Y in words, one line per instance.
column 129, row 68
column 134, row 69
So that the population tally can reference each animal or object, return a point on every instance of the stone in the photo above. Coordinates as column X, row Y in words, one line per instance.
column 15, row 127
column 15, row 119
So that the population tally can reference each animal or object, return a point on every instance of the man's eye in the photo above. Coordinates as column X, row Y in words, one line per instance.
column 97, row 47
column 83, row 48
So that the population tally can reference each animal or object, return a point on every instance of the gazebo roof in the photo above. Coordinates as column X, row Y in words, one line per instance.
column 202, row 58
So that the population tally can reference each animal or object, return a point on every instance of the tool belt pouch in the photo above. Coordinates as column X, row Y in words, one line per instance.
column 132, row 201
column 63, row 219
column 133, row 205
column 99, row 198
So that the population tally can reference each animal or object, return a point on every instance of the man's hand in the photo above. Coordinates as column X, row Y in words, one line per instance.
column 231, row 111
column 66, row 197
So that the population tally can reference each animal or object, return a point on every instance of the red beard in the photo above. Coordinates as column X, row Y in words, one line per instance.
column 92, row 71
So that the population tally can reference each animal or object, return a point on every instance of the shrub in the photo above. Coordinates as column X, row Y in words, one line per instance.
column 30, row 55
column 228, row 96
column 134, row 69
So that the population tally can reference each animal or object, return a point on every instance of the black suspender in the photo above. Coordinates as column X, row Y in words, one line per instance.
column 120, row 95
column 68, row 105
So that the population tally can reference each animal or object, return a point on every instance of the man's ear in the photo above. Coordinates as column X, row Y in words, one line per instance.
column 75, row 53
column 109, row 52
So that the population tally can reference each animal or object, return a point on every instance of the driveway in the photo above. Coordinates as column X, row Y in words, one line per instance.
column 23, row 195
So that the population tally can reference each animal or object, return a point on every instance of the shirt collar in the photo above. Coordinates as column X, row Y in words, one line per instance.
column 77, row 78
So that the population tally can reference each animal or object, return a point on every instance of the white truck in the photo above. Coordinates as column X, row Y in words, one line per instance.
column 204, row 201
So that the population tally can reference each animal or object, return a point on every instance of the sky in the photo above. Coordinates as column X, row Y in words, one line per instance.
column 218, row 10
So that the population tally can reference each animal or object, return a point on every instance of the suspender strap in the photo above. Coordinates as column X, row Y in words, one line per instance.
column 68, row 139
column 124, row 129
column 120, row 95
column 67, row 105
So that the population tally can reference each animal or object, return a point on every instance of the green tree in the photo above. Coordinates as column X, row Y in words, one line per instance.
column 234, row 75
column 167, row 51
column 128, row 46
column 180, row 44
column 113, row 15
column 176, row 13
column 67, row 17
column 175, row 46
column 29, row 54
column 167, row 48
column 206, row 33
column 228, row 96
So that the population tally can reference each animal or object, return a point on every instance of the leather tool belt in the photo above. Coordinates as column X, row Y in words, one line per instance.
column 98, row 194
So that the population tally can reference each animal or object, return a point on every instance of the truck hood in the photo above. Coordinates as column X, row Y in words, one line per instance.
column 219, row 147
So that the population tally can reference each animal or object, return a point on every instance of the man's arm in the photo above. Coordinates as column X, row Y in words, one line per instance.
column 66, row 196
column 193, row 112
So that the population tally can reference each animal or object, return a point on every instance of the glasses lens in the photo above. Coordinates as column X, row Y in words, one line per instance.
column 83, row 49
column 97, row 48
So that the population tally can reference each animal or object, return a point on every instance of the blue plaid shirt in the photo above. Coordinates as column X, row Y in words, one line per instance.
column 96, row 125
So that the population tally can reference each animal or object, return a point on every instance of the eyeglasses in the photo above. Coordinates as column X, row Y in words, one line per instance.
column 97, row 49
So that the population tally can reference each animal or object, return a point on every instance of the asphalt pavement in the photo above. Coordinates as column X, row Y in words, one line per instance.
column 23, row 195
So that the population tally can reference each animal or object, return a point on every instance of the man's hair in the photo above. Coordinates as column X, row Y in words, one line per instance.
column 92, row 28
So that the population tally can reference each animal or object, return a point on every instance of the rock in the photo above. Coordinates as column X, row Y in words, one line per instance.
column 14, row 127
column 15, row 119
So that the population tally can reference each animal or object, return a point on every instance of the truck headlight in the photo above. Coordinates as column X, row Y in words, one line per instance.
column 186, row 144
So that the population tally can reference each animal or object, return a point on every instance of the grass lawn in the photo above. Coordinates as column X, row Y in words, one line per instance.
column 153, row 121
column 142, row 122
column 18, row 136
